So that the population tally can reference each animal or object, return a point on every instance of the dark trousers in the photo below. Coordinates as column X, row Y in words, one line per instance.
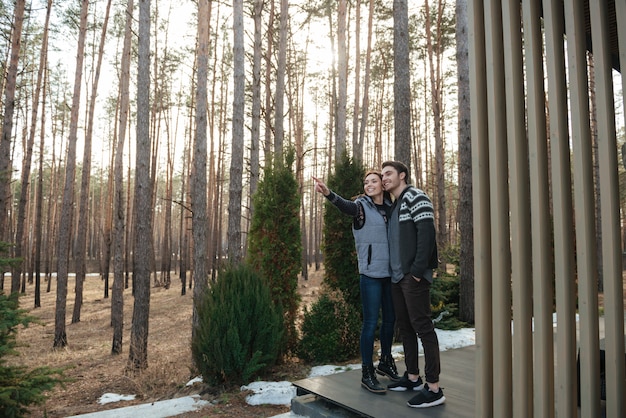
column 411, row 300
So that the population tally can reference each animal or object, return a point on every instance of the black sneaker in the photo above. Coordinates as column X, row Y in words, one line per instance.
column 405, row 384
column 425, row 398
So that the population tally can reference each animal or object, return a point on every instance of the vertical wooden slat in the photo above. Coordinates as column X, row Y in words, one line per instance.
column 496, row 52
column 519, row 196
column 620, row 10
column 500, row 236
column 539, row 204
column 481, row 210
column 584, row 209
column 610, row 211
column 565, row 289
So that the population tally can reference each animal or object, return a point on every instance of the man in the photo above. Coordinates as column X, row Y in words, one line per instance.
column 413, row 256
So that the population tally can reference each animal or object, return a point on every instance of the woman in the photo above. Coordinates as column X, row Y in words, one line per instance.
column 370, row 235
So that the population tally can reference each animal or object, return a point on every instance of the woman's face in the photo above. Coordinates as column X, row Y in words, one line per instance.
column 373, row 185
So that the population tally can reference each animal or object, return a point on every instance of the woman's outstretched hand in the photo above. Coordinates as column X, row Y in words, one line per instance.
column 320, row 187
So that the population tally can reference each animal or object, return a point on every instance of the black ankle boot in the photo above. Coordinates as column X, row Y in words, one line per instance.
column 369, row 380
column 387, row 367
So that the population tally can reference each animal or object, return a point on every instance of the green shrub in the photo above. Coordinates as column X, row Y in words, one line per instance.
column 330, row 331
column 444, row 298
column 275, row 242
column 340, row 258
column 19, row 386
column 240, row 329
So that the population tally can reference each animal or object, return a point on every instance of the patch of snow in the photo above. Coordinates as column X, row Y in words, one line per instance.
column 114, row 397
column 274, row 393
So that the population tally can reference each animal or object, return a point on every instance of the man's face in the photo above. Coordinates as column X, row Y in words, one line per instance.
column 391, row 180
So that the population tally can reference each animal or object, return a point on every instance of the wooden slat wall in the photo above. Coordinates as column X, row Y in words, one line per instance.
column 532, row 153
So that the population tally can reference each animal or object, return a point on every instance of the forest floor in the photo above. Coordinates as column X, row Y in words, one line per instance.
column 94, row 371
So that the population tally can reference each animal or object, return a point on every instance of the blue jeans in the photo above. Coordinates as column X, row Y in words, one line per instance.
column 376, row 294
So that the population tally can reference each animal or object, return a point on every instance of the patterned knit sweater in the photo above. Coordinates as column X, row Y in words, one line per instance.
column 412, row 243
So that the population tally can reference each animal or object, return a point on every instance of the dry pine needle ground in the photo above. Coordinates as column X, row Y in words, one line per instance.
column 95, row 371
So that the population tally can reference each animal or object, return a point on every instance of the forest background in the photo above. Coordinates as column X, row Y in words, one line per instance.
column 151, row 124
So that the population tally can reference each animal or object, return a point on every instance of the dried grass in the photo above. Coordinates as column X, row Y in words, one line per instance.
column 95, row 371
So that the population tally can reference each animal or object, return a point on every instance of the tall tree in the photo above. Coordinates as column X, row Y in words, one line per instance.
column 267, row 147
column 357, row 147
column 434, row 48
column 39, row 203
column 117, row 295
column 83, row 212
column 279, row 130
column 26, row 162
column 465, row 210
column 256, row 95
column 7, row 129
column 138, row 353
column 358, row 153
column 236, row 163
column 342, row 80
column 67, row 208
column 401, row 83
column 199, row 175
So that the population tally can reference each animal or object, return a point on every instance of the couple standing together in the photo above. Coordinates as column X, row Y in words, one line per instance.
column 397, row 253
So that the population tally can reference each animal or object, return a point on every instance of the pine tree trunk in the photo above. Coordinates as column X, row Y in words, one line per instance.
column 7, row 131
column 138, row 353
column 67, row 210
column 342, row 81
column 199, row 177
column 26, row 162
column 267, row 149
column 256, row 98
column 236, row 164
column 366, row 84
column 279, row 130
column 85, row 180
column 434, row 53
column 117, row 296
column 39, row 204
column 402, row 83
column 465, row 209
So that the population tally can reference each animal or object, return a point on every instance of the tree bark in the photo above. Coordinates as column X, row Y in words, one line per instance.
column 7, row 130
column 83, row 213
column 357, row 147
column 117, row 296
column 342, row 81
column 26, row 162
column 236, row 164
column 402, row 83
column 67, row 209
column 434, row 53
column 255, row 137
column 366, row 83
column 279, row 130
column 267, row 149
column 199, row 177
column 138, row 353
column 465, row 209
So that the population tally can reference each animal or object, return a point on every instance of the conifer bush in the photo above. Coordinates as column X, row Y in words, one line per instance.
column 20, row 387
column 240, row 329
column 340, row 259
column 330, row 331
column 275, row 242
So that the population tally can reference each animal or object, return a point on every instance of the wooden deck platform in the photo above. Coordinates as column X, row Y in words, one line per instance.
column 345, row 391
